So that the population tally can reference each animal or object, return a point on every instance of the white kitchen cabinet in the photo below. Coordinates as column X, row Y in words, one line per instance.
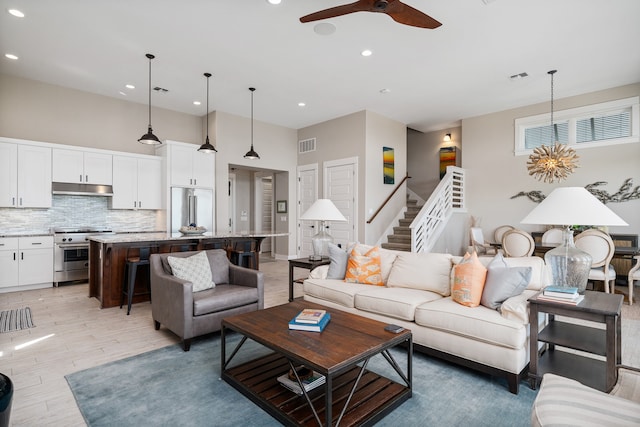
column 26, row 262
column 85, row 167
column 190, row 168
column 25, row 176
column 137, row 183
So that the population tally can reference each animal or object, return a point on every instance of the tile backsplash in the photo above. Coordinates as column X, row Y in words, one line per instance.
column 75, row 211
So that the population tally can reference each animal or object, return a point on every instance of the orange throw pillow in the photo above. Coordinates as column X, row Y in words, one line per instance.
column 468, row 281
column 364, row 268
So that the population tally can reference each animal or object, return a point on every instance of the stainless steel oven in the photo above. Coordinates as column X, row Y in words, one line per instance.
column 71, row 253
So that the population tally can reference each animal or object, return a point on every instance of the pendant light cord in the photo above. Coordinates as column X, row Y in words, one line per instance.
column 252, row 89
column 552, row 72
column 207, row 75
column 150, row 58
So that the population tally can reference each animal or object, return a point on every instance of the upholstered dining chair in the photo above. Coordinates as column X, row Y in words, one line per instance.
column 478, row 243
column 600, row 246
column 517, row 243
column 498, row 233
column 552, row 237
column 634, row 274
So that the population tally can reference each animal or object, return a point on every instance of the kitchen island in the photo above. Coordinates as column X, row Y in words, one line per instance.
column 107, row 255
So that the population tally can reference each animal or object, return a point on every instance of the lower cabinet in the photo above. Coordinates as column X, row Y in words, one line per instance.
column 26, row 262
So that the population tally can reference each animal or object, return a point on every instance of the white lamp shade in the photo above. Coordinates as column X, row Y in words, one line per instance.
column 323, row 210
column 572, row 206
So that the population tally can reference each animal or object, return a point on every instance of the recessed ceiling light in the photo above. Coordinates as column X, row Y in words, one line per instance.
column 301, row 104
column 385, row 91
column 122, row 93
column 366, row 52
column 16, row 13
column 324, row 29
column 196, row 103
column 130, row 86
column 274, row 1
column 10, row 56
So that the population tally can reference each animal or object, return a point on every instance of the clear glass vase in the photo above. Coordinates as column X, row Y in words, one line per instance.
column 569, row 265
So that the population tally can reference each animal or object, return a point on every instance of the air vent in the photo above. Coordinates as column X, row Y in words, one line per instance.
column 306, row 145
column 160, row 89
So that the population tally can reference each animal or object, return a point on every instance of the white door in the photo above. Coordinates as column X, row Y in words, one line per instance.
column 307, row 194
column 340, row 185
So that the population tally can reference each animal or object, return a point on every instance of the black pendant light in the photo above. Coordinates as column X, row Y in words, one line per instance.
column 251, row 154
column 149, row 138
column 207, row 148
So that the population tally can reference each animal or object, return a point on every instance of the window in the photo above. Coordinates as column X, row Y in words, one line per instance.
column 597, row 125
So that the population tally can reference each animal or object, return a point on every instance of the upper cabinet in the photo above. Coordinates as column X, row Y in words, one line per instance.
column 137, row 182
column 187, row 167
column 85, row 167
column 25, row 176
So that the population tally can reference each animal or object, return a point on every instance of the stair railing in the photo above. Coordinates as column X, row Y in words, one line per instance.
column 387, row 199
column 448, row 197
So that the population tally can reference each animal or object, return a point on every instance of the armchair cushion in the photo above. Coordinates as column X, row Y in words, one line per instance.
column 223, row 297
column 195, row 269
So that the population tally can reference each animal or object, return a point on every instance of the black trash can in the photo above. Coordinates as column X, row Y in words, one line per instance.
column 6, row 395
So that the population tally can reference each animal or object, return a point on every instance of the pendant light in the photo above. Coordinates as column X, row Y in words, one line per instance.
column 149, row 138
column 207, row 148
column 251, row 154
column 555, row 162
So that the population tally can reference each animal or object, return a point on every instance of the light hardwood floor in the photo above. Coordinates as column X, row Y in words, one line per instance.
column 72, row 333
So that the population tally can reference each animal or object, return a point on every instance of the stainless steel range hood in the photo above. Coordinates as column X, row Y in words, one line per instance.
column 81, row 189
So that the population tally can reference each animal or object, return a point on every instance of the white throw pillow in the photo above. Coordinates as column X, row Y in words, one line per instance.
column 195, row 269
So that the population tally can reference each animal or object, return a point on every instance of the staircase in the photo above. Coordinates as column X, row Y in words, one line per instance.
column 400, row 240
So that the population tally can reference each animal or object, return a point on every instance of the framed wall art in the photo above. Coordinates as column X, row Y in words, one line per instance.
column 388, row 165
column 281, row 206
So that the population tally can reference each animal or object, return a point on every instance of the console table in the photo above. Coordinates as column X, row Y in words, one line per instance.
column 597, row 307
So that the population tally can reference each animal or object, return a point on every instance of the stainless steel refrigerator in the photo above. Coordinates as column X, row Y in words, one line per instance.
column 191, row 206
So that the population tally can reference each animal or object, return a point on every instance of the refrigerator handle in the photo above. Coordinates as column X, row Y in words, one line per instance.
column 192, row 211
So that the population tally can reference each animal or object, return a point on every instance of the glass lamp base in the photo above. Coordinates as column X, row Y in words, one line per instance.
column 569, row 265
column 320, row 243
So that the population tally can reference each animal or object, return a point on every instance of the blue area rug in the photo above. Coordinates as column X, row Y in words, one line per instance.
column 168, row 387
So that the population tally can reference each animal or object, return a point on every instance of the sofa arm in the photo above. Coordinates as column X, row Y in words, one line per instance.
column 171, row 299
column 247, row 277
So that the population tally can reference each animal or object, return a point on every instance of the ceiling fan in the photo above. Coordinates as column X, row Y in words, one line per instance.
column 397, row 10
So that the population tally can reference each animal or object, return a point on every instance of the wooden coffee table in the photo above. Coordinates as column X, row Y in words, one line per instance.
column 352, row 395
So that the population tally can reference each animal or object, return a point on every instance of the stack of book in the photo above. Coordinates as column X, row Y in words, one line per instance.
column 309, row 383
column 310, row 319
column 564, row 295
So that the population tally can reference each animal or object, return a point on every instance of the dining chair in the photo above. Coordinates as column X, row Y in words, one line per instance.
column 600, row 246
column 634, row 274
column 498, row 233
column 552, row 237
column 517, row 243
column 478, row 243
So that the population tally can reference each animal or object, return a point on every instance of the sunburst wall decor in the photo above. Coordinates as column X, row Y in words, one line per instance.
column 551, row 164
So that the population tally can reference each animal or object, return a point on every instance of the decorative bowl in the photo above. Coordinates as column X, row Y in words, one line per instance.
column 192, row 230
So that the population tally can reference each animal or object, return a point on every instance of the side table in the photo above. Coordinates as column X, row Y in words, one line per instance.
column 302, row 263
column 597, row 307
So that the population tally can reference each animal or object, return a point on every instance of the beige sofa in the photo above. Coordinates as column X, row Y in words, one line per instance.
column 417, row 296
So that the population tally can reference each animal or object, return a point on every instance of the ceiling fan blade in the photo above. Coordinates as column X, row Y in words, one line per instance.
column 358, row 6
column 408, row 15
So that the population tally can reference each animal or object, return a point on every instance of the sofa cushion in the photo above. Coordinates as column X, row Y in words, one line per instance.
column 336, row 291
column 400, row 303
column 364, row 267
column 540, row 275
column 503, row 282
column 477, row 323
column 223, row 297
column 195, row 269
column 424, row 271
column 468, row 281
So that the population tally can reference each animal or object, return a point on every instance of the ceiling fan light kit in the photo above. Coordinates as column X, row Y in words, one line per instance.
column 149, row 138
column 395, row 9
column 251, row 154
column 207, row 148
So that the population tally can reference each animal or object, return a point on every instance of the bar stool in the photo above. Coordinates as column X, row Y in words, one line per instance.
column 132, row 262
column 243, row 253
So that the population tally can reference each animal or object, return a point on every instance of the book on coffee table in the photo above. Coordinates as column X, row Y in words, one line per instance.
column 308, row 326
column 314, row 381
column 310, row 315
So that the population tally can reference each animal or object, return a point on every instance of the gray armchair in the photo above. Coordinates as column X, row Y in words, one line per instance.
column 188, row 314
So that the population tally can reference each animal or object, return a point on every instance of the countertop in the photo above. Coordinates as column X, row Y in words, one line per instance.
column 25, row 234
column 146, row 237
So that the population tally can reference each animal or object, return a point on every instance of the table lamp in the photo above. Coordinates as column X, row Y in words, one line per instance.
column 322, row 210
column 568, row 206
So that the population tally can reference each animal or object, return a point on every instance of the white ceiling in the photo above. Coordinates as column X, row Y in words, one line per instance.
column 434, row 77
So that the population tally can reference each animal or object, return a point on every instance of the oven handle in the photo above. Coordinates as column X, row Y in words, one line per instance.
column 72, row 246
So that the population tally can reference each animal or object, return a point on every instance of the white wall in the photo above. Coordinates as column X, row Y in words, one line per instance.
column 494, row 174
column 277, row 147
